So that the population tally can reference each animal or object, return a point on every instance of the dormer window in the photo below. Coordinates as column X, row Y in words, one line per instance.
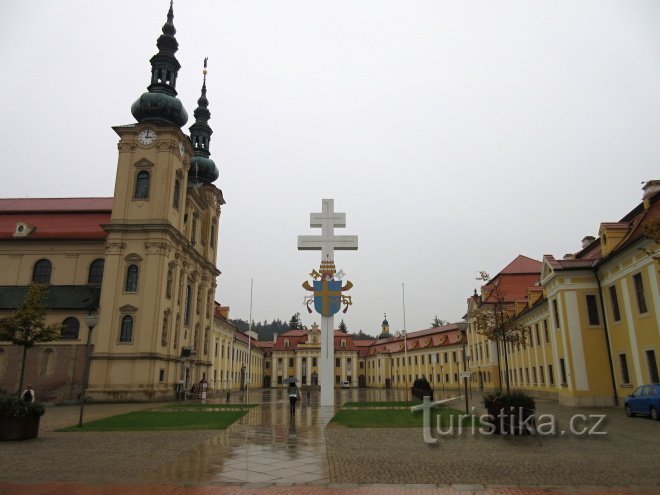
column 23, row 229
column 286, row 342
column 343, row 343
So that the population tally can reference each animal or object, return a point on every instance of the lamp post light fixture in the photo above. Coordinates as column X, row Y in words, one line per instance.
column 91, row 320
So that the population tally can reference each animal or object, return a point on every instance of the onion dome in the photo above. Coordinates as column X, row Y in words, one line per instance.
column 202, row 168
column 160, row 104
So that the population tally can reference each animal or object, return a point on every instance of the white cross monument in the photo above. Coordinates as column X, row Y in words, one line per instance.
column 327, row 242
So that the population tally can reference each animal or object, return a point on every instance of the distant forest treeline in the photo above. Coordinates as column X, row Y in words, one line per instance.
column 267, row 330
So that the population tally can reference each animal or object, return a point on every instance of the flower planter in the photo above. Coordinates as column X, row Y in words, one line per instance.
column 19, row 427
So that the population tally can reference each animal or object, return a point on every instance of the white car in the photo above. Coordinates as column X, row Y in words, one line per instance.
column 345, row 384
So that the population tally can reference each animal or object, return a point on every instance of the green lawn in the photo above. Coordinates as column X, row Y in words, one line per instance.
column 198, row 405
column 156, row 419
column 390, row 403
column 394, row 418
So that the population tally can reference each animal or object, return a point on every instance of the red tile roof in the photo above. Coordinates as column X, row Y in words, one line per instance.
column 56, row 218
column 47, row 205
column 522, row 264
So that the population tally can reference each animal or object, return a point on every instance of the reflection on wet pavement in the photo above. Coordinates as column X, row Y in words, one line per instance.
column 266, row 445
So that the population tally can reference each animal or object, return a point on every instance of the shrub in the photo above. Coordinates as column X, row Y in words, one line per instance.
column 497, row 401
column 11, row 406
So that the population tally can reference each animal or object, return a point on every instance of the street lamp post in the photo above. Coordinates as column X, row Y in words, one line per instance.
column 442, row 378
column 465, row 380
column 91, row 320
column 405, row 359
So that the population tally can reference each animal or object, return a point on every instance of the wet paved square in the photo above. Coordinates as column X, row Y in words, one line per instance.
column 266, row 448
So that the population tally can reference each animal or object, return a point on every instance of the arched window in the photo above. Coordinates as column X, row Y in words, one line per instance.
column 131, row 278
column 126, row 333
column 186, row 310
column 42, row 271
column 165, row 331
column 168, row 287
column 213, row 234
column 96, row 272
column 142, row 185
column 177, row 191
column 70, row 328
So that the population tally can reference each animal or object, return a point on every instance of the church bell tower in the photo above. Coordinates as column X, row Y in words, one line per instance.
column 156, row 309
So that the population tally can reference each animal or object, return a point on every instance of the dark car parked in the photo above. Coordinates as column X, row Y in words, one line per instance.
column 644, row 400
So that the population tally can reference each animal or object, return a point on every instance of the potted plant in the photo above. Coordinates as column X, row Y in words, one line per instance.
column 421, row 387
column 19, row 420
column 510, row 412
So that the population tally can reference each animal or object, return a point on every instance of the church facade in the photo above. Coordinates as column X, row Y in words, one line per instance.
column 144, row 260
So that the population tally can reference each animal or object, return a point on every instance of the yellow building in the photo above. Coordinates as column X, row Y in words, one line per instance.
column 591, row 319
column 145, row 260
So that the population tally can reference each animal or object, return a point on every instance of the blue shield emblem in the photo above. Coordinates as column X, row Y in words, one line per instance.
column 327, row 296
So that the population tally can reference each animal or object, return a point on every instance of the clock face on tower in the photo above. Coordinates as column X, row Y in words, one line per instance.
column 147, row 137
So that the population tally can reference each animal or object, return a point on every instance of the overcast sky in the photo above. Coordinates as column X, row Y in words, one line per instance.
column 455, row 135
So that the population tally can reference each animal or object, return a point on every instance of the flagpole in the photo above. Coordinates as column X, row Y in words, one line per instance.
column 247, row 382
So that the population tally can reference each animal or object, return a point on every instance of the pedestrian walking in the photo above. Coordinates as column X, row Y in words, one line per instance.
column 294, row 395
column 28, row 395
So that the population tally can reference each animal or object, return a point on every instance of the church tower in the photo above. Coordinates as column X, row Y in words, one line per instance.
column 158, row 292
column 385, row 327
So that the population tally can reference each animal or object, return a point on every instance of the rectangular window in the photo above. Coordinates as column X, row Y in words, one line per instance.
column 526, row 375
column 337, row 363
column 161, row 375
column 555, row 312
column 186, row 314
column 536, row 333
column 562, row 370
column 313, row 361
column 290, row 362
column 639, row 291
column 542, row 375
column 545, row 331
column 551, row 376
column 337, row 379
column 614, row 301
column 623, row 365
column 267, row 364
column 453, row 356
column 592, row 310
column 415, row 359
column 279, row 379
column 653, row 366
column 422, row 359
column 534, row 375
column 361, row 364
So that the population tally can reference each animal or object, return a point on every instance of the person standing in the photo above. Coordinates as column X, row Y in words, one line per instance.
column 28, row 395
column 294, row 394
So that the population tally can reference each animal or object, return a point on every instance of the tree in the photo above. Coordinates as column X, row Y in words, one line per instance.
column 27, row 325
column 343, row 327
column 437, row 322
column 295, row 323
column 496, row 321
